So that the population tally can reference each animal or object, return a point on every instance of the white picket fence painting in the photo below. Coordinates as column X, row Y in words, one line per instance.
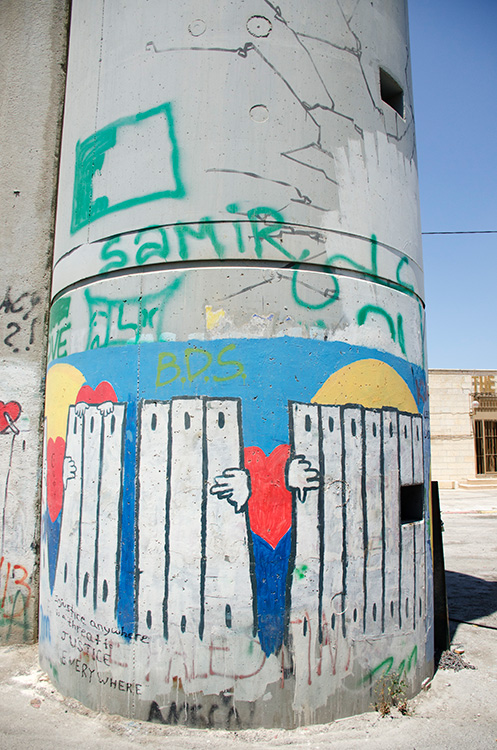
column 88, row 558
column 192, row 547
column 357, row 568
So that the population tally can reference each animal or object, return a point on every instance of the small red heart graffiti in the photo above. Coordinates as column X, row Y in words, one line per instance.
column 103, row 392
column 9, row 413
column 270, row 504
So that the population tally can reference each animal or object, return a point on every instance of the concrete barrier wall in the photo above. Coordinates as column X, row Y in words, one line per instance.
column 234, row 520
column 33, row 43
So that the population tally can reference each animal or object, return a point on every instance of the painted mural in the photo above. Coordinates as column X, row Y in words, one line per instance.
column 235, row 516
column 221, row 518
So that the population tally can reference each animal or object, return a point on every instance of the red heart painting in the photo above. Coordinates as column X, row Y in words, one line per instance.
column 270, row 504
column 55, row 489
column 103, row 392
column 9, row 413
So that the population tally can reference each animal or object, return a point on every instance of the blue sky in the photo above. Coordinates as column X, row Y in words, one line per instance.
column 454, row 66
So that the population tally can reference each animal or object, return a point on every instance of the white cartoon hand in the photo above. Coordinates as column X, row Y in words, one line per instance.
column 301, row 477
column 80, row 408
column 233, row 485
column 69, row 470
column 106, row 408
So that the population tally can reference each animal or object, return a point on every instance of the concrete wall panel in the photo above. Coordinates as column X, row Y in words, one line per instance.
column 237, row 305
column 33, row 42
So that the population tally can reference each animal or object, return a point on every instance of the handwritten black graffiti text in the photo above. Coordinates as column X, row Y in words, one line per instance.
column 18, row 324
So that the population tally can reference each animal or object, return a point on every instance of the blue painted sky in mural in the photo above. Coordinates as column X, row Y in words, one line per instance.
column 454, row 63
column 273, row 369
column 294, row 370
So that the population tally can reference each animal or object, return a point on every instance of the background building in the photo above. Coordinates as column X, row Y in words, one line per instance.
column 463, row 418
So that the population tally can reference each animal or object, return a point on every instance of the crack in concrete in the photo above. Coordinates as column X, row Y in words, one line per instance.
column 310, row 108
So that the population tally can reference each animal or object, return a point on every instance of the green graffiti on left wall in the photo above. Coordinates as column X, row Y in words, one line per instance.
column 93, row 151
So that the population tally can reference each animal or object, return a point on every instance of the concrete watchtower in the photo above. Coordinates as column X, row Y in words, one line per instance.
column 236, row 484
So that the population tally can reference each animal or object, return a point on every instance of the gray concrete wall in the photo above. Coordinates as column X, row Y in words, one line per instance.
column 32, row 75
column 235, row 528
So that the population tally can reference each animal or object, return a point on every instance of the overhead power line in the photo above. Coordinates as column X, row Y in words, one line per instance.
column 476, row 231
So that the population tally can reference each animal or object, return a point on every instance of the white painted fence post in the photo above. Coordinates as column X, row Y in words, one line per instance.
column 153, row 462
column 66, row 585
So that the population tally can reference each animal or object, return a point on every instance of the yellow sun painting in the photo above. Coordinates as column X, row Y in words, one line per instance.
column 63, row 384
column 368, row 382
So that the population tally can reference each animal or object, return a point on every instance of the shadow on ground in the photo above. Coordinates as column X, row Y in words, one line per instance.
column 469, row 598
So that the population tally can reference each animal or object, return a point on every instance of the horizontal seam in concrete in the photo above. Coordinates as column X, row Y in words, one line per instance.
column 236, row 264
column 309, row 229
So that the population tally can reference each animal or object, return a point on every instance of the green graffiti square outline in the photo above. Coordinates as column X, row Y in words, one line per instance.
column 89, row 159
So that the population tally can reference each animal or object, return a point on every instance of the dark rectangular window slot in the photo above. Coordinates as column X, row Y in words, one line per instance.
column 411, row 503
column 391, row 93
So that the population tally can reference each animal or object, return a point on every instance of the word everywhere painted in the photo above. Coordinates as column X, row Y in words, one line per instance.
column 85, row 671
column 18, row 321
column 196, row 361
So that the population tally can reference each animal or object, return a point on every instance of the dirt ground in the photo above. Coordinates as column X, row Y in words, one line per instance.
column 459, row 710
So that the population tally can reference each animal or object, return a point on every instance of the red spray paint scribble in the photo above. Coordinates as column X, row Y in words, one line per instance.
column 19, row 577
